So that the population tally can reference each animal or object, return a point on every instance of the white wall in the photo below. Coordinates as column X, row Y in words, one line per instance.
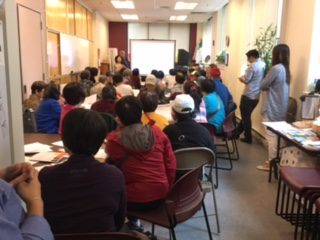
column 101, row 39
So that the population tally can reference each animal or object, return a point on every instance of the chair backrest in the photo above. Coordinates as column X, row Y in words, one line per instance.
column 110, row 120
column 191, row 158
column 29, row 121
column 292, row 110
column 96, row 236
column 228, row 124
column 185, row 197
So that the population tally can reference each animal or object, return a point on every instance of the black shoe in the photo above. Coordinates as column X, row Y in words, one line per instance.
column 135, row 225
column 246, row 140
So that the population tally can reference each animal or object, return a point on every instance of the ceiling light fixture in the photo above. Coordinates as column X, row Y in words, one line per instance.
column 129, row 16
column 185, row 6
column 178, row 18
column 123, row 4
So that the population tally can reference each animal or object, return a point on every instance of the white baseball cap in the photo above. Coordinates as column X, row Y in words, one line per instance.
column 183, row 103
column 151, row 79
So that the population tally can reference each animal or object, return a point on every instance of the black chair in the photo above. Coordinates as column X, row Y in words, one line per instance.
column 29, row 121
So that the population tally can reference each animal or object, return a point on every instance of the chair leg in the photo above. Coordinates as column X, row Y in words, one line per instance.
column 173, row 234
column 215, row 207
column 152, row 229
column 207, row 220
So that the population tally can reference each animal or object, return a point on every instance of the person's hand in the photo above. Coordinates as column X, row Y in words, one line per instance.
column 17, row 173
column 30, row 192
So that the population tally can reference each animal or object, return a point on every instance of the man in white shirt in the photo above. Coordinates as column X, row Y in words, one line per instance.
column 250, row 97
column 122, row 88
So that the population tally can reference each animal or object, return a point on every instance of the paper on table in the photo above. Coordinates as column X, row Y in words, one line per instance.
column 101, row 154
column 58, row 144
column 279, row 126
column 36, row 147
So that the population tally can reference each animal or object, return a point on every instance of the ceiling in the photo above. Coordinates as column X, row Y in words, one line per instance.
column 157, row 10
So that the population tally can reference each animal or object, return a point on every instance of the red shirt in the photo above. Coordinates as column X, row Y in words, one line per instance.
column 148, row 175
column 66, row 108
column 104, row 106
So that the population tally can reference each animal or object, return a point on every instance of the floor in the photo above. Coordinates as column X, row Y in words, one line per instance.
column 246, row 203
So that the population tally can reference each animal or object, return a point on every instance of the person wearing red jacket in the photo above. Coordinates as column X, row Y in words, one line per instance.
column 144, row 155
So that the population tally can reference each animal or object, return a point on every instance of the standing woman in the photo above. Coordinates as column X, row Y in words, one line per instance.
column 276, row 84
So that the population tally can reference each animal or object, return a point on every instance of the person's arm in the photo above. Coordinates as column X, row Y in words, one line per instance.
column 116, row 154
column 56, row 110
column 247, row 77
column 170, row 161
column 269, row 79
column 120, row 216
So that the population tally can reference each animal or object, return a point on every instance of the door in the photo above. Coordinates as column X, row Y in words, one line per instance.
column 30, row 37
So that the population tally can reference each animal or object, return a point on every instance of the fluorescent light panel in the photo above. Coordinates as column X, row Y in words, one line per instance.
column 129, row 16
column 123, row 4
column 178, row 18
column 185, row 6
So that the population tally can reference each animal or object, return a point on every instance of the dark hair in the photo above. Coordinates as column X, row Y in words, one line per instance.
column 154, row 72
column 83, row 131
column 172, row 72
column 117, row 78
column 207, row 86
column 93, row 72
column 129, row 110
column 73, row 93
column 180, row 78
column 122, row 59
column 85, row 74
column 203, row 73
column 253, row 53
column 194, row 91
column 135, row 72
column 127, row 72
column 281, row 54
column 160, row 74
column 51, row 91
column 37, row 86
column 149, row 101
column 109, row 92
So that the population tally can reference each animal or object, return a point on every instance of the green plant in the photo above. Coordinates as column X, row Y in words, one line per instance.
column 265, row 42
column 221, row 58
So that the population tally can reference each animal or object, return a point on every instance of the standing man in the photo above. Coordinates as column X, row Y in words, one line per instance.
column 126, row 62
column 250, row 97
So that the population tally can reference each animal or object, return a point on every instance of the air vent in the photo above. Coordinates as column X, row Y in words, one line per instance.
column 164, row 7
column 194, row 13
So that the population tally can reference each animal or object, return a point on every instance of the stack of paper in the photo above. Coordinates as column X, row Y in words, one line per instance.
column 36, row 147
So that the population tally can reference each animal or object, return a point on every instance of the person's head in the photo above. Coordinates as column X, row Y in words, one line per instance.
column 129, row 110
column 149, row 101
column 127, row 73
column 252, row 55
column 183, row 107
column 160, row 75
column 51, row 91
column 172, row 72
column 180, row 78
column 207, row 86
column 194, row 91
column 103, row 79
column 73, row 93
column 281, row 54
column 203, row 73
column 123, row 53
column 85, row 75
column 83, row 132
column 117, row 79
column 118, row 59
column 151, row 80
column 109, row 93
column 37, row 88
column 135, row 72
column 215, row 72
column 154, row 72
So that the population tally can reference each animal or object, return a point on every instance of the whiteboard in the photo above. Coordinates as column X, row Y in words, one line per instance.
column 147, row 55
column 74, row 52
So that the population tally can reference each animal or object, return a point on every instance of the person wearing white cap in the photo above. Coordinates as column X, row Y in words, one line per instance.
column 151, row 86
column 186, row 132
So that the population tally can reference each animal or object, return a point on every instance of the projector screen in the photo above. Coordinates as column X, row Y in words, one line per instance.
column 147, row 55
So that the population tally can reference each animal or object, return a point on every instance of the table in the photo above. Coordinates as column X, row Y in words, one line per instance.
column 282, row 136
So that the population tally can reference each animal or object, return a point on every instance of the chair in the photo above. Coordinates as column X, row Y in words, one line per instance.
column 190, row 158
column 111, row 122
column 29, row 121
column 292, row 110
column 184, row 199
column 96, row 236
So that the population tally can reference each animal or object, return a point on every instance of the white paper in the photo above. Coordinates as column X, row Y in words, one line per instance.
column 101, row 154
column 279, row 126
column 36, row 147
column 58, row 144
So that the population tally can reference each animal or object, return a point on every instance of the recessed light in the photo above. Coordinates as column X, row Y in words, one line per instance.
column 178, row 18
column 185, row 6
column 129, row 16
column 123, row 4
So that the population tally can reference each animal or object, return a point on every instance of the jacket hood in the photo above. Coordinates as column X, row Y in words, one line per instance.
column 137, row 137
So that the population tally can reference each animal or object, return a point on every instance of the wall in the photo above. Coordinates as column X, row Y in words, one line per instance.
column 101, row 39
column 118, row 35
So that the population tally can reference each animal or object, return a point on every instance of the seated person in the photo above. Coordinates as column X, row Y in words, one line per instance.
column 221, row 89
column 97, row 87
column 149, row 101
column 214, row 105
column 83, row 195
column 122, row 88
column 178, row 86
column 151, row 86
column 48, row 114
column 85, row 81
column 135, row 79
column 171, row 78
column 33, row 102
column 127, row 74
column 144, row 155
column 74, row 96
column 194, row 91
column 108, row 101
column 20, row 181
column 93, row 73
column 186, row 132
